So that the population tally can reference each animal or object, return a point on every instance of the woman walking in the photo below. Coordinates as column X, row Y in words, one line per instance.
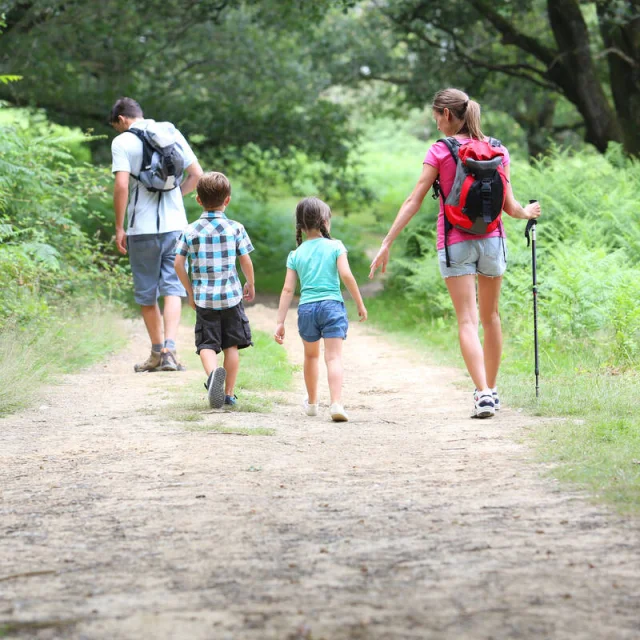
column 465, row 257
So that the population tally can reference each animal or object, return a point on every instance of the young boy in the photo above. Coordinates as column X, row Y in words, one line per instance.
column 212, row 244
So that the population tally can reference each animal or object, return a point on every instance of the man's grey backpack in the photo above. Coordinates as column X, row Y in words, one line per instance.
column 162, row 160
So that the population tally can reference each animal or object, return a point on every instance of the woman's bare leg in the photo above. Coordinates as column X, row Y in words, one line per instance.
column 462, row 290
column 488, row 299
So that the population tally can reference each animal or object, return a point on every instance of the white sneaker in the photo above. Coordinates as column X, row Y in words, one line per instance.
column 338, row 414
column 483, row 405
column 310, row 409
column 496, row 398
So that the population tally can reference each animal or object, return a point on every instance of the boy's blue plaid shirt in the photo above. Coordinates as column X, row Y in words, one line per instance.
column 212, row 244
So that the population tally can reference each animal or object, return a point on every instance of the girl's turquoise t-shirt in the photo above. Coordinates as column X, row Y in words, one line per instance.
column 315, row 262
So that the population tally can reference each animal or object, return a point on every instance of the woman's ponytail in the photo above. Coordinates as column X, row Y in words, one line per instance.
column 472, row 121
column 462, row 108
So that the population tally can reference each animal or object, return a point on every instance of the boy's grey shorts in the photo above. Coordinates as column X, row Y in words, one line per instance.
column 151, row 257
column 485, row 256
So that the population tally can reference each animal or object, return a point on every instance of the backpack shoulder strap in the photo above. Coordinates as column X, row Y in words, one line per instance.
column 147, row 150
column 453, row 145
column 494, row 142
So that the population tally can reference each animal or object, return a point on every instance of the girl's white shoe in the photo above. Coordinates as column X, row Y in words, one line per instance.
column 338, row 414
column 310, row 409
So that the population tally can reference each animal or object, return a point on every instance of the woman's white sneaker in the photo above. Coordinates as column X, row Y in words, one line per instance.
column 338, row 414
column 483, row 405
column 310, row 409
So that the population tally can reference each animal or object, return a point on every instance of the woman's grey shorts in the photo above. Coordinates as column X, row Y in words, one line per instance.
column 485, row 256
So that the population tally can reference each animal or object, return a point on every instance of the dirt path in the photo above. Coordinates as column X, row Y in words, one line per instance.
column 410, row 521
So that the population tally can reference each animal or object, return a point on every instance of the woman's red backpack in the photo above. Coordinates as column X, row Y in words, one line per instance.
column 476, row 199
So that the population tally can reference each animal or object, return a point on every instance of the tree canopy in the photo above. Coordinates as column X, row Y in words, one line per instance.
column 227, row 73
column 234, row 73
column 523, row 57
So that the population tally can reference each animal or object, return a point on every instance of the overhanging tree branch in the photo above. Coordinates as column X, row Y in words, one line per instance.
column 516, row 70
column 512, row 36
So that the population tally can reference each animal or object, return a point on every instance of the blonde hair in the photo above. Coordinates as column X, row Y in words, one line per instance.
column 462, row 108
column 213, row 189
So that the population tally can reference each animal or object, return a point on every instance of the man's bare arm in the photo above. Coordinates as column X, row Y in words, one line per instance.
column 120, row 199
column 194, row 171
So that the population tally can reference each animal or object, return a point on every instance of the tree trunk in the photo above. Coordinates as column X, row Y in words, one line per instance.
column 622, row 43
column 575, row 72
column 537, row 122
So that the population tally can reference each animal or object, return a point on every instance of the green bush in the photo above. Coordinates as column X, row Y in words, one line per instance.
column 45, row 255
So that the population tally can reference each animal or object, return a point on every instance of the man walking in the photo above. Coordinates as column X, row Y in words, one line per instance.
column 155, row 219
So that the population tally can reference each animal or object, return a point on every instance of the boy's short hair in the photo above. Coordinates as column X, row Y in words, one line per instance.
column 126, row 107
column 213, row 189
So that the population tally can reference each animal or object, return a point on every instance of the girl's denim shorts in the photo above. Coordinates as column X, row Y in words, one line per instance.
column 485, row 256
column 322, row 319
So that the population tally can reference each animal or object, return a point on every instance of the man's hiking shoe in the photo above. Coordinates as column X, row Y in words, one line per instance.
column 215, row 388
column 496, row 398
column 310, row 409
column 231, row 401
column 150, row 364
column 170, row 362
column 483, row 406
column 338, row 414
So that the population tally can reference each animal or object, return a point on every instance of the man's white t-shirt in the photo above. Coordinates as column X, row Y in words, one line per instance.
column 126, row 152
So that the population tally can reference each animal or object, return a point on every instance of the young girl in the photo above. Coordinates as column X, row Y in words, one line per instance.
column 471, row 257
column 320, row 262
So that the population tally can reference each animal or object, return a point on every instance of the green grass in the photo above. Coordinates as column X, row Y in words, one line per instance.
column 71, row 338
column 264, row 369
column 239, row 431
column 597, row 446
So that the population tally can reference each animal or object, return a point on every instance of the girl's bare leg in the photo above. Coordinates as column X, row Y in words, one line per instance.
column 333, row 360
column 311, row 369
column 462, row 290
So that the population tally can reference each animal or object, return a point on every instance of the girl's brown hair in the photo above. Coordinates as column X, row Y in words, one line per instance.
column 312, row 214
column 462, row 108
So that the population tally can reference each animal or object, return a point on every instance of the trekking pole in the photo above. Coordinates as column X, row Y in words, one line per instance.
column 531, row 226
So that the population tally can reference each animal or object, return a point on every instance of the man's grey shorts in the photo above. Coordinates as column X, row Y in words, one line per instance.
column 151, row 257
column 484, row 256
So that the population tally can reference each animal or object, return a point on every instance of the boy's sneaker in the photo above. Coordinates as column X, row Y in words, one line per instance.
column 310, row 409
column 150, row 364
column 215, row 388
column 483, row 406
column 231, row 400
column 496, row 397
column 169, row 361
column 338, row 414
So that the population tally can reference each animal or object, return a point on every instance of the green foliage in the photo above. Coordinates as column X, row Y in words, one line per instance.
column 44, row 254
column 232, row 76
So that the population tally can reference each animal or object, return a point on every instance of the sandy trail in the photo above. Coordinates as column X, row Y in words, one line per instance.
column 410, row 521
